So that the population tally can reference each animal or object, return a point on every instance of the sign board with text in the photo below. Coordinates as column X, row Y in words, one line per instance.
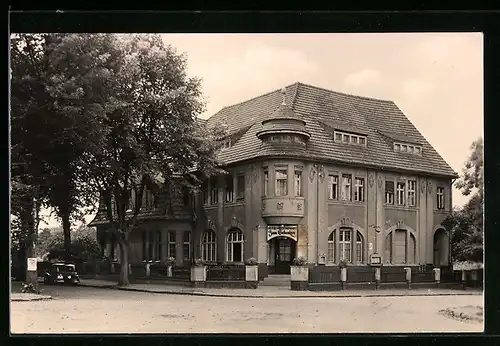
column 32, row 264
column 375, row 260
column 282, row 231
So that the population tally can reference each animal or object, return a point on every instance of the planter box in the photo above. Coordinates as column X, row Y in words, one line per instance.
column 198, row 276
column 251, row 276
column 299, row 278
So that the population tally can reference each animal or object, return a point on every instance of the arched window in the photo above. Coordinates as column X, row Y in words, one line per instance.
column 347, row 246
column 359, row 247
column 235, row 246
column 331, row 247
column 400, row 247
column 209, row 246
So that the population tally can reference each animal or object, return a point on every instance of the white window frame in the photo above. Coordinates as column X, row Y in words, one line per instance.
column 188, row 243
column 389, row 196
column 229, row 189
column 330, row 257
column 209, row 246
column 346, row 193
column 333, row 186
column 412, row 195
column 266, row 182
column 359, row 190
column 279, row 178
column 205, row 192
column 359, row 247
column 171, row 242
column 234, row 237
column 297, row 178
column 345, row 245
column 400, row 193
column 214, row 192
column 440, row 197
column 346, row 137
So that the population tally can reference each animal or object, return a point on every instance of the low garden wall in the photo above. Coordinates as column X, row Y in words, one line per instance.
column 331, row 277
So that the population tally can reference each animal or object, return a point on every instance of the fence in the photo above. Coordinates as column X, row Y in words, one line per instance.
column 226, row 273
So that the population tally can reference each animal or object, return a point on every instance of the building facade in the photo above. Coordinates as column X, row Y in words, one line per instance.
column 310, row 173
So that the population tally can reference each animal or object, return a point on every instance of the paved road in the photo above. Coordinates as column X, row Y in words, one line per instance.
column 91, row 310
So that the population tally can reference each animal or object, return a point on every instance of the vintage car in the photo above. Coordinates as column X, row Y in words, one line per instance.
column 62, row 273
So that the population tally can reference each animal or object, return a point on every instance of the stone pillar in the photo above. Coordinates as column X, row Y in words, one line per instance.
column 251, row 276
column 377, row 277
column 198, row 276
column 437, row 276
column 343, row 277
column 408, row 276
column 299, row 278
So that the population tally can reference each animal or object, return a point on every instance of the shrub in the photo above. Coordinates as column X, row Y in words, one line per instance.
column 170, row 261
column 30, row 288
column 252, row 261
column 300, row 261
column 343, row 264
column 199, row 262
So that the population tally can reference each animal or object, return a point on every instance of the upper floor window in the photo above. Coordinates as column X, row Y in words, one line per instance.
column 298, row 183
column 389, row 192
column 229, row 192
column 240, row 182
column 351, row 138
column 226, row 143
column 408, row 148
column 440, row 197
column 205, row 192
column 266, row 181
column 215, row 192
column 411, row 193
column 333, row 187
column 359, row 191
column 346, row 187
column 281, row 182
column 400, row 193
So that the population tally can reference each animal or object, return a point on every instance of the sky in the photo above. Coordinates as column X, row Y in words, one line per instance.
column 436, row 79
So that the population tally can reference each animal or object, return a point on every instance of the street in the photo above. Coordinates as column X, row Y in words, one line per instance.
column 94, row 310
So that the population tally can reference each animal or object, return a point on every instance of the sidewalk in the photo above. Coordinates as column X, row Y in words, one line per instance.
column 272, row 292
column 27, row 297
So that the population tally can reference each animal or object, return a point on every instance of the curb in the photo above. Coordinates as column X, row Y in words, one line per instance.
column 33, row 299
column 205, row 294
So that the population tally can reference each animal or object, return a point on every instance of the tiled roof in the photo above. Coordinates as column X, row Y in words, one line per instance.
column 319, row 107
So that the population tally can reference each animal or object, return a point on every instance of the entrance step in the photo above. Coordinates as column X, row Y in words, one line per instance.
column 280, row 280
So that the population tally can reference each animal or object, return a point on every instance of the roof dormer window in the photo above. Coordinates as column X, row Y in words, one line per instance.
column 350, row 138
column 408, row 148
column 225, row 143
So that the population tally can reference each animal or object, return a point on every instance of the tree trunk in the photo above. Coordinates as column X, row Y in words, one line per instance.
column 66, row 223
column 28, row 223
column 123, row 243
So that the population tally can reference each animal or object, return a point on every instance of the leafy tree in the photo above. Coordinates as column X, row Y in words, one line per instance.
column 83, row 247
column 58, row 83
column 466, row 223
column 152, row 136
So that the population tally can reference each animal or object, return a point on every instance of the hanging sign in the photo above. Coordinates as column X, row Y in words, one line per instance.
column 282, row 231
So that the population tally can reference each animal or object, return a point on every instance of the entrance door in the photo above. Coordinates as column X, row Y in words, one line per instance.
column 285, row 252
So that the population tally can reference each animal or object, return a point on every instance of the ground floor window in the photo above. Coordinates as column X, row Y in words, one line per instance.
column 209, row 246
column 171, row 244
column 400, row 247
column 235, row 246
column 186, row 246
column 346, row 245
